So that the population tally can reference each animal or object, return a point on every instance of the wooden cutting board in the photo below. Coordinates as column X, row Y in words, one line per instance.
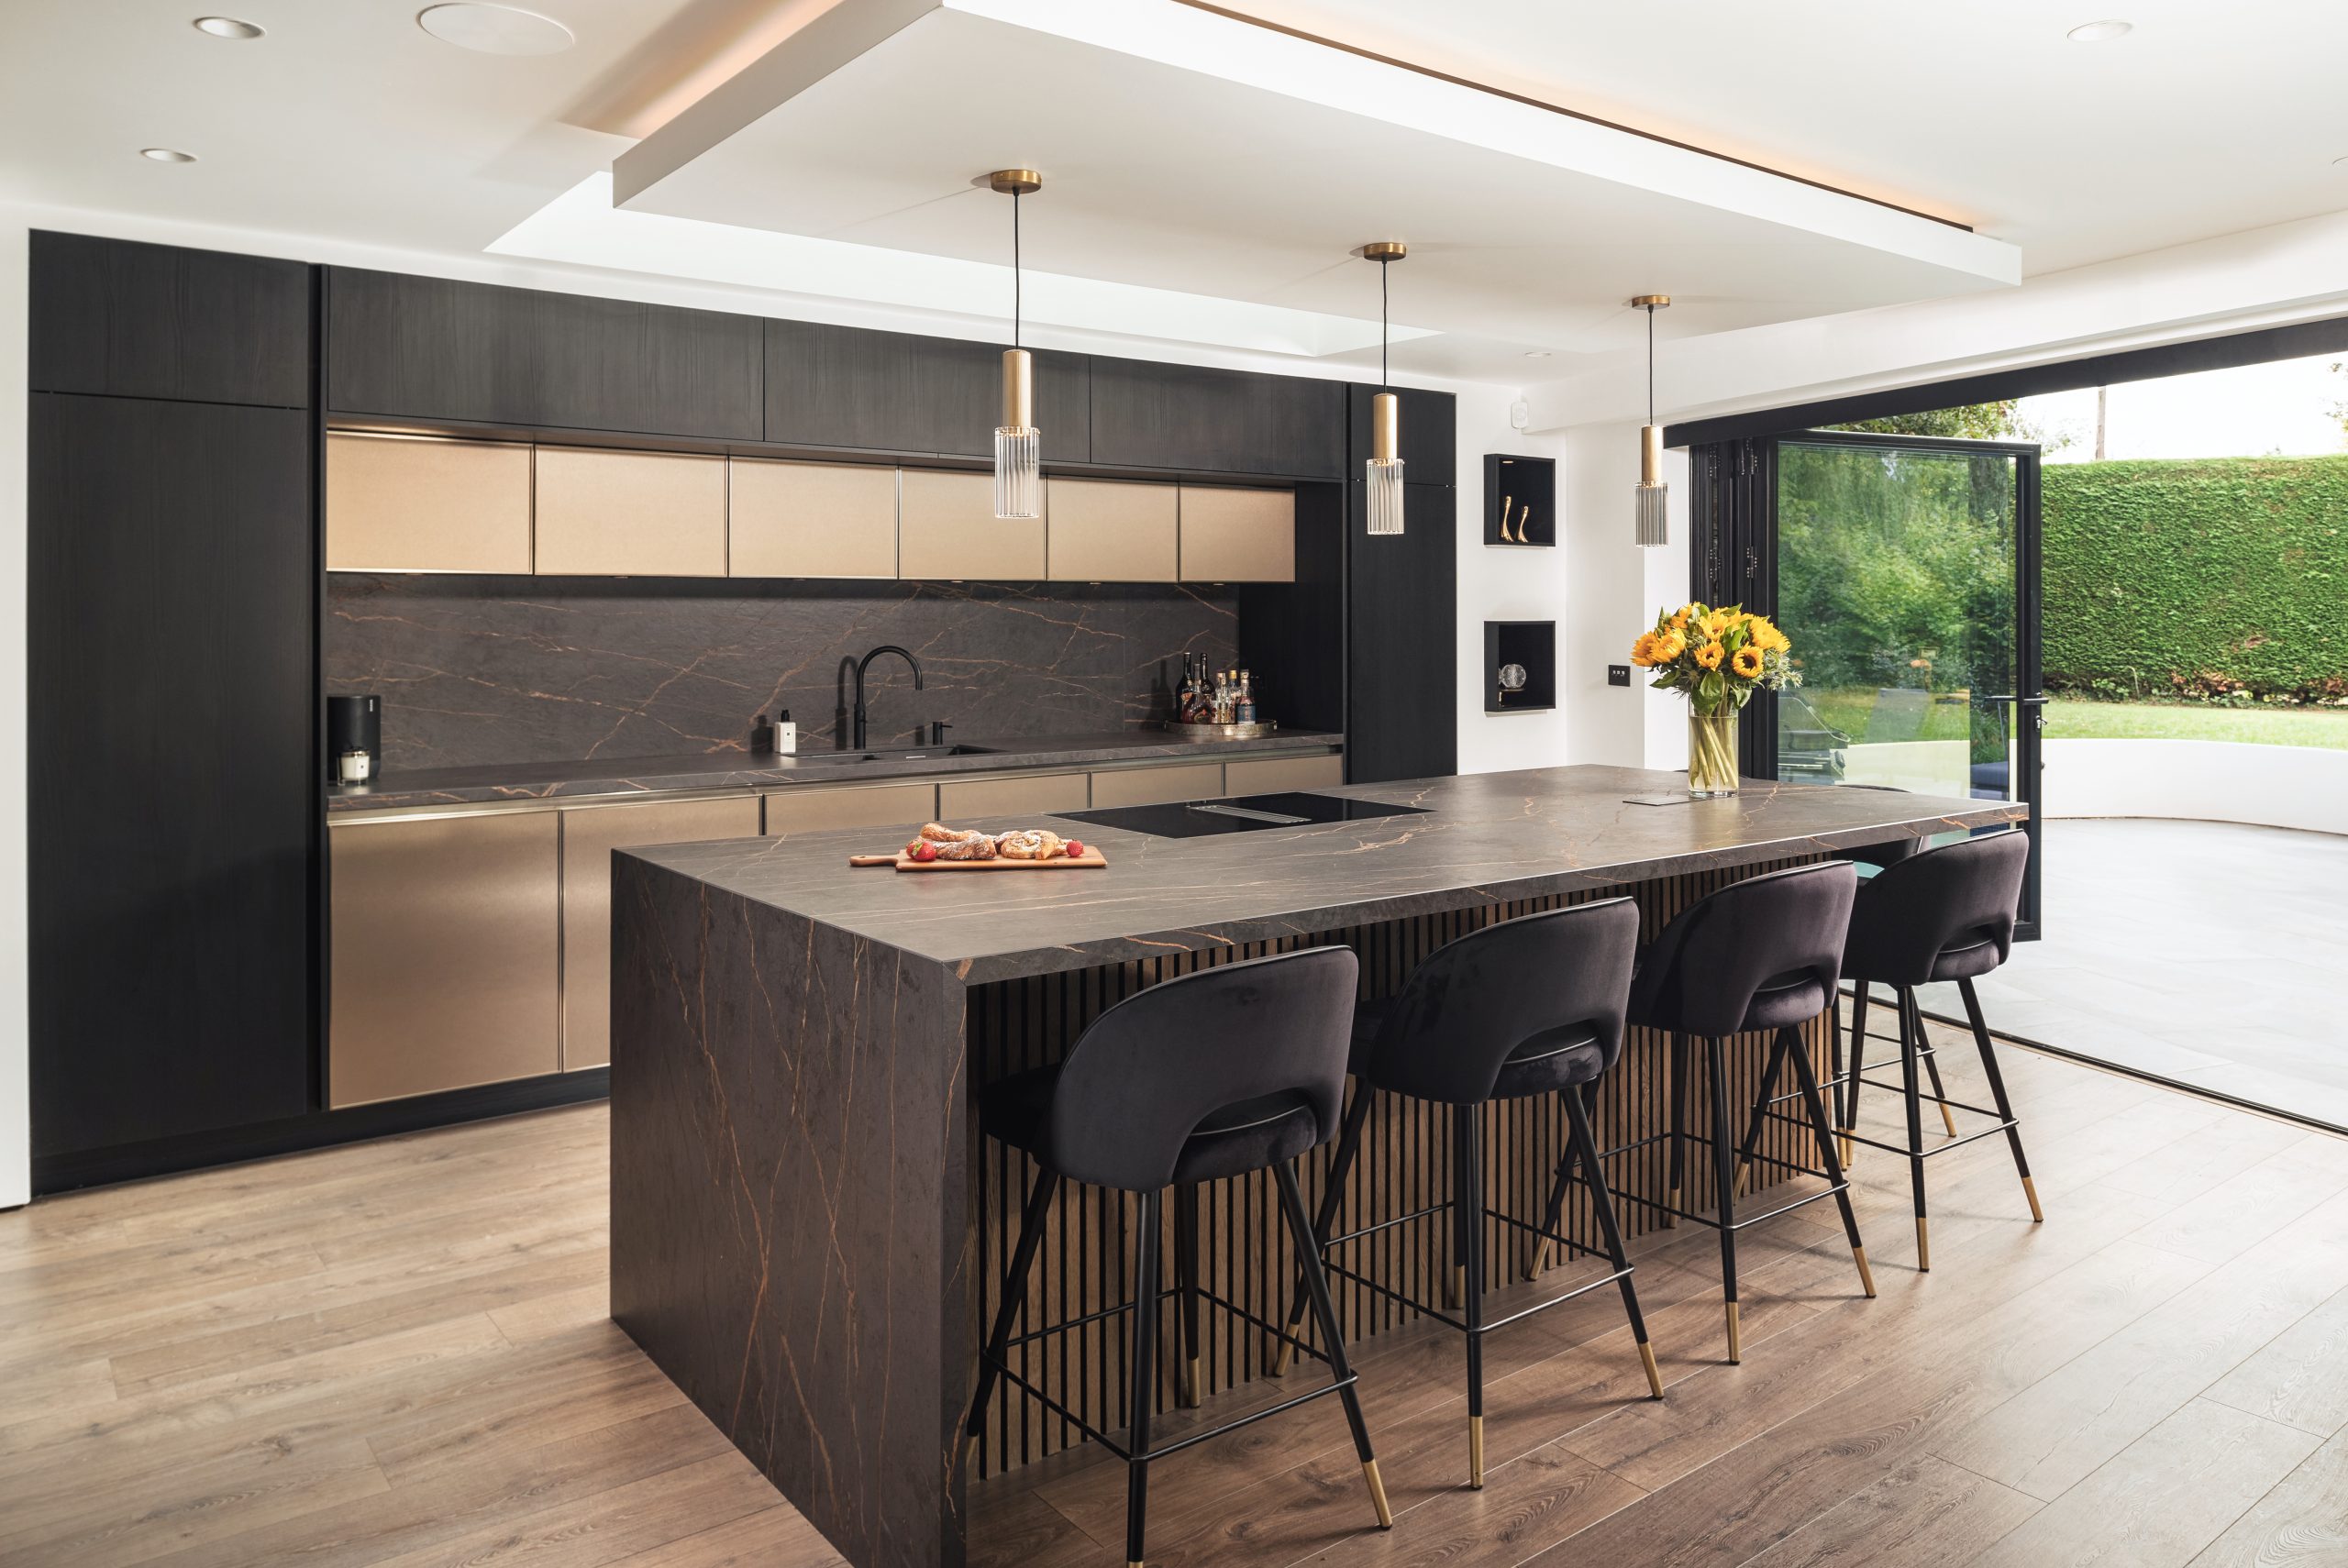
column 1089, row 861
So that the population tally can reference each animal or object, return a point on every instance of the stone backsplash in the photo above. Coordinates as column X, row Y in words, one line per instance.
column 486, row 669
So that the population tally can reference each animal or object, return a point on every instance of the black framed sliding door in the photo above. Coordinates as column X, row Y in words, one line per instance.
column 1906, row 570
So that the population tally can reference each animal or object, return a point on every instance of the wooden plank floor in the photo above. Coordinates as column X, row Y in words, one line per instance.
column 398, row 1354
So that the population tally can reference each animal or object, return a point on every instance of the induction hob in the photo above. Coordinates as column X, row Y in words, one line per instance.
column 1247, row 813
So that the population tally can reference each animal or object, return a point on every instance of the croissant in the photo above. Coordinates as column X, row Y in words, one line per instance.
column 1030, row 844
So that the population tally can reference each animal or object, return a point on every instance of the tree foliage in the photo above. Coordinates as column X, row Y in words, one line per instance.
column 1975, row 422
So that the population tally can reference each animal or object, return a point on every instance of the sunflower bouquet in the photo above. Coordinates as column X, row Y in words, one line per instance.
column 1718, row 658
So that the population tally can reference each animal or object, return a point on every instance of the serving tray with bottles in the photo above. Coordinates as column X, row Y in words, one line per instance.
column 1221, row 732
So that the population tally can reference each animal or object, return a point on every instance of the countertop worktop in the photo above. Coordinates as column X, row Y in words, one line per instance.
column 748, row 770
column 1484, row 837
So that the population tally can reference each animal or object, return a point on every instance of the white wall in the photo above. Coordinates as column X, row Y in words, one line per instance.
column 1501, row 584
column 2214, row 781
column 1616, row 588
column 16, row 1136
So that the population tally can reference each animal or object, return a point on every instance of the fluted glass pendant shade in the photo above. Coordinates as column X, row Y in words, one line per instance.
column 1018, row 445
column 1382, row 474
column 1650, row 498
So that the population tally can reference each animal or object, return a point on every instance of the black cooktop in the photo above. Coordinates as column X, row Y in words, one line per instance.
column 1248, row 813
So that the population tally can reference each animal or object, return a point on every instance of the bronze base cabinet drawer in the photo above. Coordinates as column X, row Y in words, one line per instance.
column 1271, row 774
column 446, row 971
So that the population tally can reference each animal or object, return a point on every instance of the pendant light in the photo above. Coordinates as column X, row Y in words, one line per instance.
column 1018, row 445
column 1383, row 475
column 1651, row 516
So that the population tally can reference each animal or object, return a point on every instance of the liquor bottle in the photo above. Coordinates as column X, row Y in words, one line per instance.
column 1183, row 692
column 1222, row 697
column 1244, row 708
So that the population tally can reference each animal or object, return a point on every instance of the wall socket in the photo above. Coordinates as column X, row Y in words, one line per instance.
column 1617, row 675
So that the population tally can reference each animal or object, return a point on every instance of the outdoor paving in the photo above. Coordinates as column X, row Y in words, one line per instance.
column 2206, row 953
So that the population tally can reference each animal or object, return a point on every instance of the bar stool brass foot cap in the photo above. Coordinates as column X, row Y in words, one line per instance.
column 1735, row 1339
column 1923, row 1247
column 1280, row 1353
column 1738, row 1186
column 1540, row 1265
column 1671, row 1209
column 1948, row 1121
column 1476, row 1453
column 1378, row 1493
column 1655, row 1377
column 2030, row 1190
column 1866, row 1275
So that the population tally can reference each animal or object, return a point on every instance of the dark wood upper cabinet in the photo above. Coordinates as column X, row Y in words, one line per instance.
column 1191, row 419
column 173, row 778
column 122, row 319
column 434, row 348
column 901, row 391
column 1402, row 656
column 1430, row 433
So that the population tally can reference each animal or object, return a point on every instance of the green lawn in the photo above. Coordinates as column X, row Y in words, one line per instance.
column 2165, row 720
column 1849, row 710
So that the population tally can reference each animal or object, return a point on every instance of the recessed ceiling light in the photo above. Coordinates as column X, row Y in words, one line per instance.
column 1537, row 353
column 2099, row 32
column 228, row 27
column 495, row 29
column 167, row 155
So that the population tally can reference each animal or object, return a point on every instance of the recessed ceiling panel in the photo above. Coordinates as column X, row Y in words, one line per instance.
column 1254, row 180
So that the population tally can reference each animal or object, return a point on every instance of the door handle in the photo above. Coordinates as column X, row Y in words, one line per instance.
column 2009, row 697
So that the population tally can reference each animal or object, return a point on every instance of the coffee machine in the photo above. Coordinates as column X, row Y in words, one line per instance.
column 354, row 739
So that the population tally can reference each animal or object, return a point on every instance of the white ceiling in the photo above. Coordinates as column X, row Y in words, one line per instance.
column 349, row 123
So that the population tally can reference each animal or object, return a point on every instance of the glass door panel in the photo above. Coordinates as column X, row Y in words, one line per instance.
column 1906, row 575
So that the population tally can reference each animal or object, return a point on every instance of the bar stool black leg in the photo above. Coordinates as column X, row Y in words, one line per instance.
column 1834, row 1064
column 1456, row 1293
column 1468, row 1198
column 1908, row 1043
column 1724, row 1186
column 1819, row 1129
column 1186, row 1275
column 1553, row 1213
column 1931, row 1065
column 1760, row 1108
column 1142, row 1390
column 1584, row 1144
column 1858, row 1066
column 1998, row 1091
column 1681, row 1057
column 1316, row 1288
column 1325, row 1223
column 1014, row 1295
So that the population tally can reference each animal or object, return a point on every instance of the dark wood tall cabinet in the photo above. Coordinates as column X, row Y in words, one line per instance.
column 173, row 658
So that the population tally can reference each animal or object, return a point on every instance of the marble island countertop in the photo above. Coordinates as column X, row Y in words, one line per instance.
column 753, row 770
column 1483, row 838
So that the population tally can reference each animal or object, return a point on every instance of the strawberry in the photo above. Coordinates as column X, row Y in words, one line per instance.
column 924, row 852
column 1075, row 848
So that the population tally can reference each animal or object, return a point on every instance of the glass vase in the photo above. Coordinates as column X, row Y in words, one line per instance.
column 1712, row 753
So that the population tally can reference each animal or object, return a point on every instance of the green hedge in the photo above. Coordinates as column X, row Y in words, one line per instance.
column 2200, row 574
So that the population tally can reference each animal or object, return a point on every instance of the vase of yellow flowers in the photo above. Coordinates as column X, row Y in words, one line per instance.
column 1717, row 658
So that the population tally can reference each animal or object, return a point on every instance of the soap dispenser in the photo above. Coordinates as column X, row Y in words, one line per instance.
column 786, row 734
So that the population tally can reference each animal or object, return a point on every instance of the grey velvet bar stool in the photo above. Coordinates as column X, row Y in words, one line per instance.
column 1215, row 1074
column 1527, row 1007
column 1941, row 914
column 1762, row 954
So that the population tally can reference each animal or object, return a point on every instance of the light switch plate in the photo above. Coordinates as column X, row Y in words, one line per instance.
column 1617, row 675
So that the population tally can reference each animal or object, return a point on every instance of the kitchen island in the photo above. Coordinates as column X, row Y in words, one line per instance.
column 807, row 1227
